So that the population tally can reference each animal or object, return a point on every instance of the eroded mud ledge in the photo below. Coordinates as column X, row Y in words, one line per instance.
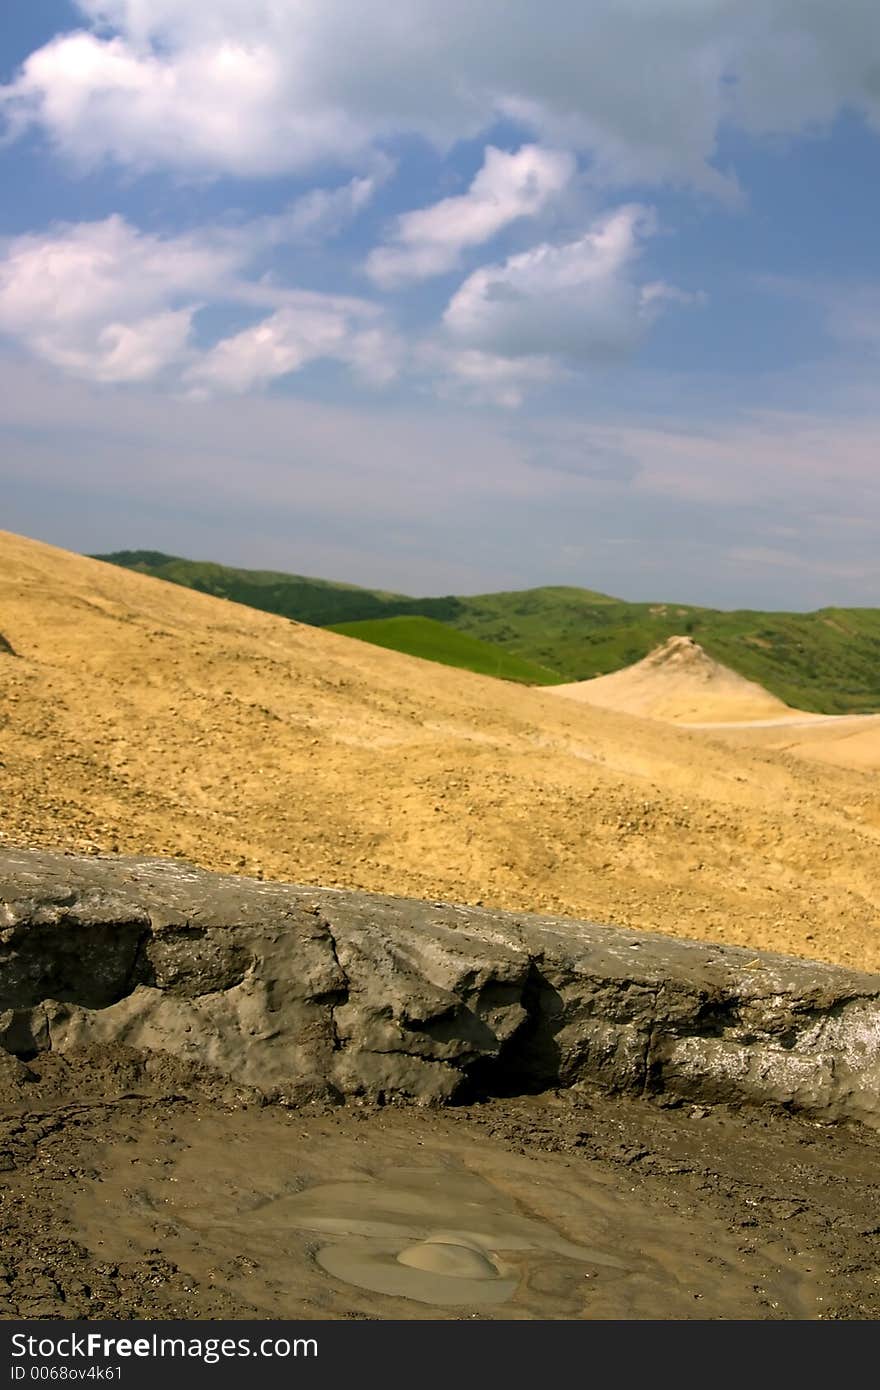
column 304, row 992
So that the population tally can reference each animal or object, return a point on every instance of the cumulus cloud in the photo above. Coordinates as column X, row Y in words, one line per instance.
column 106, row 302
column 255, row 87
column 429, row 241
column 580, row 300
column 109, row 303
column 212, row 109
column 309, row 327
column 102, row 300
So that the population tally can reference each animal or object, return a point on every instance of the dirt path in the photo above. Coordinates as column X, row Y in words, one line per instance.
column 793, row 721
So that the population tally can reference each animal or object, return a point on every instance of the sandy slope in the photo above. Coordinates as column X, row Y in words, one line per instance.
column 680, row 682
column 843, row 740
column 142, row 716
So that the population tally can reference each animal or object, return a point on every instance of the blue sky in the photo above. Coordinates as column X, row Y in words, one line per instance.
column 449, row 298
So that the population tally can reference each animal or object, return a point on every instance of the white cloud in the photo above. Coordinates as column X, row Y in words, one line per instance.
column 220, row 109
column 102, row 300
column 108, row 303
column 485, row 378
column 323, row 212
column 429, row 241
column 135, row 351
column 256, row 87
column 309, row 327
column 579, row 301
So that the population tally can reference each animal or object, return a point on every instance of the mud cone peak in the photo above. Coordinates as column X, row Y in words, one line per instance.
column 682, row 651
column 681, row 683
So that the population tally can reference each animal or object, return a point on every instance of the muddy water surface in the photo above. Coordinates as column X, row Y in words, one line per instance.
column 415, row 1215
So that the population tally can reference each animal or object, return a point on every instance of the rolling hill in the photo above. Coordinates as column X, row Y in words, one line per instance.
column 680, row 684
column 320, row 602
column 150, row 719
column 826, row 662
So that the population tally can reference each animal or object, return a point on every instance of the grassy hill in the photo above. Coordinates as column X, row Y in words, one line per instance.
column 434, row 641
column 827, row 661
column 320, row 602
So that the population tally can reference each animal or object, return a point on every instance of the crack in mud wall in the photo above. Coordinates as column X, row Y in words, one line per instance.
column 303, row 992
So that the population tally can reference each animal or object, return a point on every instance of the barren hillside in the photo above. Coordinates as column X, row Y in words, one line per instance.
column 851, row 741
column 139, row 716
column 680, row 682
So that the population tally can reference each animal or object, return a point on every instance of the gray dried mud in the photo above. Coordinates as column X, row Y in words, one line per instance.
column 223, row 1098
column 307, row 993
column 167, row 1198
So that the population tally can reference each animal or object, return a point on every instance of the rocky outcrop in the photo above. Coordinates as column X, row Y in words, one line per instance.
column 312, row 991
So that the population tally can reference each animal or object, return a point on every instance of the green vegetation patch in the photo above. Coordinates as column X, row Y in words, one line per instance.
column 433, row 641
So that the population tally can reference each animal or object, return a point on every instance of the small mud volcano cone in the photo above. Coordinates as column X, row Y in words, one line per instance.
column 680, row 682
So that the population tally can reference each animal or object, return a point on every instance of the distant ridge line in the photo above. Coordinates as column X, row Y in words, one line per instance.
column 824, row 662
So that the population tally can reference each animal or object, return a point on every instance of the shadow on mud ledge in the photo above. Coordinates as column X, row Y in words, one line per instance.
column 531, row 1060
column 304, row 993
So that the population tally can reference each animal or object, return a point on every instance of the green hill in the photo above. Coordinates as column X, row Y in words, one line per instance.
column 317, row 601
column 434, row 641
column 828, row 661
